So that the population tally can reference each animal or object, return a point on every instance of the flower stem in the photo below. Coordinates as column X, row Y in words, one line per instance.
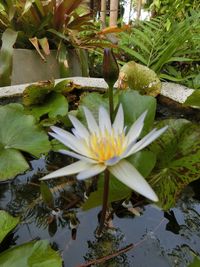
column 111, row 105
column 105, row 201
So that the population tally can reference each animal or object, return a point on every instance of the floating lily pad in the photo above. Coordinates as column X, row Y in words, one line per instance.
column 35, row 253
column 18, row 132
column 178, row 164
column 37, row 92
column 134, row 105
column 56, row 104
column 7, row 223
column 138, row 77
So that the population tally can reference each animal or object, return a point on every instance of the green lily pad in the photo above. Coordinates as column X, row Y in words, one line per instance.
column 18, row 133
column 134, row 105
column 37, row 92
column 178, row 164
column 138, row 77
column 7, row 223
column 55, row 104
column 32, row 254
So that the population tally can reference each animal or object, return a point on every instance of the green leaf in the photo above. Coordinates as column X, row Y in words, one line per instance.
column 37, row 92
column 92, row 101
column 178, row 153
column 195, row 263
column 140, row 78
column 7, row 223
column 12, row 162
column 18, row 132
column 6, row 53
column 54, row 105
column 193, row 99
column 47, row 195
column 134, row 105
column 35, row 253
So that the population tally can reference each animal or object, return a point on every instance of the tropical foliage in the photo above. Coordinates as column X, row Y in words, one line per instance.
column 170, row 53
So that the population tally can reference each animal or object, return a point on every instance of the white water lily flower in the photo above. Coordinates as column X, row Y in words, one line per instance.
column 105, row 146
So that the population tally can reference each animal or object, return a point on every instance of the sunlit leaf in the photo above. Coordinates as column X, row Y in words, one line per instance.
column 7, row 223
column 35, row 253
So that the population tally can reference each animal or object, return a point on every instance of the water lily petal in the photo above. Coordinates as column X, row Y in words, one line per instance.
column 70, row 140
column 68, row 170
column 145, row 141
column 91, row 122
column 126, row 173
column 136, row 128
column 92, row 171
column 80, row 129
column 77, row 156
column 104, row 120
column 118, row 124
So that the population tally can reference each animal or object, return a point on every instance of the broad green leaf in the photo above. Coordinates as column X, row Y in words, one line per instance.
column 35, row 253
column 18, row 132
column 92, row 101
column 144, row 161
column 12, row 162
column 9, row 38
column 195, row 263
column 134, row 105
column 135, row 54
column 140, row 78
column 193, row 99
column 55, row 104
column 178, row 153
column 36, row 93
column 7, row 223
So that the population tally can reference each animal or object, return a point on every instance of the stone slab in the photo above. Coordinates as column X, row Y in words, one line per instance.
column 176, row 92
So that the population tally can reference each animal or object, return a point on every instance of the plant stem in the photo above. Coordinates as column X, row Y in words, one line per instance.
column 111, row 105
column 105, row 201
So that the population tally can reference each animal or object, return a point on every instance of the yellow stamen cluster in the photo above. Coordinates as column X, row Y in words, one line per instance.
column 106, row 145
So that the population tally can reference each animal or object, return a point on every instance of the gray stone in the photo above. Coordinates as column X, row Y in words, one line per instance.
column 176, row 92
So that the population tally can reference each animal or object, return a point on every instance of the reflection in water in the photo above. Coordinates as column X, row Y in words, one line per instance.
column 108, row 244
column 67, row 226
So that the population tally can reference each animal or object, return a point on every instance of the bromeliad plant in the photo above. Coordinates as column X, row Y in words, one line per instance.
column 105, row 147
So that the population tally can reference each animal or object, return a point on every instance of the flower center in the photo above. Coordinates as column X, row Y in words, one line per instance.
column 106, row 145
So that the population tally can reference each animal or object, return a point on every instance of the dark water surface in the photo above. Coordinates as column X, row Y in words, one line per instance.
column 160, row 239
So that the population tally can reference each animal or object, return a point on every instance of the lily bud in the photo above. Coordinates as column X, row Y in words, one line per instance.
column 110, row 67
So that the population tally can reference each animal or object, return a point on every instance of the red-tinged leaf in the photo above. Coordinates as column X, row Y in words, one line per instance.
column 64, row 9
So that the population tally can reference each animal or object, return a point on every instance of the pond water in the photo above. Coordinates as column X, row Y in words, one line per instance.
column 160, row 239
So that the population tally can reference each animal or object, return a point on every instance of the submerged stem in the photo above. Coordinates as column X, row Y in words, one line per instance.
column 105, row 201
